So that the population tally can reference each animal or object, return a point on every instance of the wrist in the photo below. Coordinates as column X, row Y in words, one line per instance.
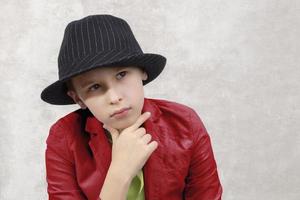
column 119, row 175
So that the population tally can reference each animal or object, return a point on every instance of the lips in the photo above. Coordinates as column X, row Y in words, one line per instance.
column 119, row 111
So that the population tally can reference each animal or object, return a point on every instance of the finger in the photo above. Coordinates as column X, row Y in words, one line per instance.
column 140, row 132
column 152, row 146
column 146, row 138
column 114, row 132
column 142, row 118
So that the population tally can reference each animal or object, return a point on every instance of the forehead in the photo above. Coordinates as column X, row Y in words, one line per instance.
column 99, row 73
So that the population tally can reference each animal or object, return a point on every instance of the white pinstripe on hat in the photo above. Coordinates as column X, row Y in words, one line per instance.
column 98, row 41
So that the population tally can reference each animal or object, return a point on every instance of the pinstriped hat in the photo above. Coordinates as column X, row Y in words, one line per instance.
column 98, row 41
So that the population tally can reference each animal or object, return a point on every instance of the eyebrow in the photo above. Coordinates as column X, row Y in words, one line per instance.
column 88, row 82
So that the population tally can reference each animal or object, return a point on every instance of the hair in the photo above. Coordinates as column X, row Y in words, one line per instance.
column 69, row 85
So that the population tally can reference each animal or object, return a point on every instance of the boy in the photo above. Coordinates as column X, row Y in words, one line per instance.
column 120, row 144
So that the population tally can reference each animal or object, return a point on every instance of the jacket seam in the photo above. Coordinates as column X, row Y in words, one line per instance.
column 193, row 133
column 66, row 141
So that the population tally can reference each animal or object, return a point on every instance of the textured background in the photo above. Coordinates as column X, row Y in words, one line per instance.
column 235, row 62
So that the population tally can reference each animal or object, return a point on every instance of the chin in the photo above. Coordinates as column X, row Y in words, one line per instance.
column 123, row 124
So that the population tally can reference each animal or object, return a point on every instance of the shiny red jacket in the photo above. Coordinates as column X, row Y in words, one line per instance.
column 78, row 156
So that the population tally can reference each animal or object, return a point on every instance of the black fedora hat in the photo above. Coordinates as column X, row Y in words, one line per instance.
column 98, row 41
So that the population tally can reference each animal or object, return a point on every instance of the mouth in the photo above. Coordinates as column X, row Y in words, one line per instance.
column 120, row 111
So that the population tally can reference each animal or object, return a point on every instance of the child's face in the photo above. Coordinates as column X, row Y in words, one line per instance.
column 110, row 89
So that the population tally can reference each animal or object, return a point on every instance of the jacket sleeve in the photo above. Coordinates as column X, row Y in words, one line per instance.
column 202, row 181
column 60, row 171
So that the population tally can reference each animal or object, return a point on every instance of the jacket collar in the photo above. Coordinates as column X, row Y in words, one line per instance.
column 94, row 126
column 102, row 150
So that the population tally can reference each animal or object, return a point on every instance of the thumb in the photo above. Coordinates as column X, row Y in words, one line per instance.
column 114, row 132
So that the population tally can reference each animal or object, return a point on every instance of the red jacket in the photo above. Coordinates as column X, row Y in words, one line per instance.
column 182, row 166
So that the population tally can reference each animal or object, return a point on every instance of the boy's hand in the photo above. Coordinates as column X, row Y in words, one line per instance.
column 130, row 149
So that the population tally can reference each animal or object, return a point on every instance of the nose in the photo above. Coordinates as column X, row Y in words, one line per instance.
column 113, row 96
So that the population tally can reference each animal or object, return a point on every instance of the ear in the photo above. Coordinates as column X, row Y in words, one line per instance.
column 145, row 75
column 76, row 99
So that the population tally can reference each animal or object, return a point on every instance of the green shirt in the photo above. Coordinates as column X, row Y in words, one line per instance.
column 136, row 189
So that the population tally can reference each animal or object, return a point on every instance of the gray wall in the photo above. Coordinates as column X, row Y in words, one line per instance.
column 235, row 62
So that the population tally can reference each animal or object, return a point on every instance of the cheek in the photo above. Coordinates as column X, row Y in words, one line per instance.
column 95, row 104
column 91, row 102
column 137, row 96
column 135, row 92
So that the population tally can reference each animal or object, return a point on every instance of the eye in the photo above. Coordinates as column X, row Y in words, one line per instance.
column 122, row 74
column 94, row 87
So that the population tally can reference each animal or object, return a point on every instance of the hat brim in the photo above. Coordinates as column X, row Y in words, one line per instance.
column 153, row 64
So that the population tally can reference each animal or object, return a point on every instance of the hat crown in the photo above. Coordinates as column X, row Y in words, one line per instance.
column 91, row 36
